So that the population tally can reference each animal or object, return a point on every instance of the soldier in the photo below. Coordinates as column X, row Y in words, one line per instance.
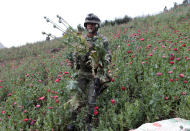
column 89, row 84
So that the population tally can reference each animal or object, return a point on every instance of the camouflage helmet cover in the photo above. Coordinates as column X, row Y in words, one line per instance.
column 91, row 18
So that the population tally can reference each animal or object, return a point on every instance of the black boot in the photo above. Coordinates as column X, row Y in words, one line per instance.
column 88, row 122
column 89, row 118
column 89, row 127
column 71, row 126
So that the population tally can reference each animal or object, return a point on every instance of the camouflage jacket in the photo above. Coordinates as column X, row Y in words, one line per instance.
column 81, row 61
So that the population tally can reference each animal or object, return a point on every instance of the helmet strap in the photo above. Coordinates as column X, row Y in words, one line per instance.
column 92, row 33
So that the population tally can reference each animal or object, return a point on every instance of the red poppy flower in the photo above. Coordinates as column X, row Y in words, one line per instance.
column 3, row 112
column 175, row 49
column 184, row 93
column 37, row 106
column 58, row 80
column 142, row 39
column 49, row 90
column 181, row 75
column 96, row 113
column 26, row 119
column 159, row 73
column 113, row 101
column 66, row 72
column 123, row 88
column 57, row 101
column 166, row 98
column 185, row 82
column 178, row 59
column 170, row 72
column 42, row 98
column 172, row 58
column 96, row 107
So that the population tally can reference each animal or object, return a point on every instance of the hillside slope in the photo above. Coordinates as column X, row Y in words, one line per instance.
column 150, row 69
column 1, row 45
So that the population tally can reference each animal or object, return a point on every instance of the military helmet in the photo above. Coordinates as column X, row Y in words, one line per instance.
column 91, row 18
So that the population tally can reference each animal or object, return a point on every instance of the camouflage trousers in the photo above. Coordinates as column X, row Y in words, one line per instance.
column 87, row 86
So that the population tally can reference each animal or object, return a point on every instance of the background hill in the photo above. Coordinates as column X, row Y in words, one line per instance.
column 1, row 45
column 150, row 70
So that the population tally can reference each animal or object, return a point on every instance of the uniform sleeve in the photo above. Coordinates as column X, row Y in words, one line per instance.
column 76, row 59
column 108, row 56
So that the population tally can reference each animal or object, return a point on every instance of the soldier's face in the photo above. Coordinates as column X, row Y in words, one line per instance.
column 91, row 27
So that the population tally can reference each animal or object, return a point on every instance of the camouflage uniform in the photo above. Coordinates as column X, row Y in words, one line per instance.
column 85, row 79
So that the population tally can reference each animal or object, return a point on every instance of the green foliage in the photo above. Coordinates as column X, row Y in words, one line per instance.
column 80, row 28
column 185, row 2
column 117, row 21
column 150, row 69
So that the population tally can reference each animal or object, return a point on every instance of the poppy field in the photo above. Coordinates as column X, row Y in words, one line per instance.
column 150, row 78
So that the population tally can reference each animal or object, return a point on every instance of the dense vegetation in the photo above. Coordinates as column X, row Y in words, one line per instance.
column 150, row 69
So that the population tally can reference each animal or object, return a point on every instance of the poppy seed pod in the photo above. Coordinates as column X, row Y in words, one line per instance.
column 59, row 20
column 43, row 33
column 47, row 20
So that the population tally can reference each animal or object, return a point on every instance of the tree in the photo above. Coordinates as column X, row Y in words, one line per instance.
column 185, row 2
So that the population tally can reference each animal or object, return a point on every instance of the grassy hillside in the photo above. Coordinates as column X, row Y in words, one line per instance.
column 150, row 67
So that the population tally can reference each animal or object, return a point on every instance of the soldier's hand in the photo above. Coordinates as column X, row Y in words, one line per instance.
column 89, row 45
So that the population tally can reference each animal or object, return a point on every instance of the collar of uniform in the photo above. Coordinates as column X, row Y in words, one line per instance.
column 93, row 38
